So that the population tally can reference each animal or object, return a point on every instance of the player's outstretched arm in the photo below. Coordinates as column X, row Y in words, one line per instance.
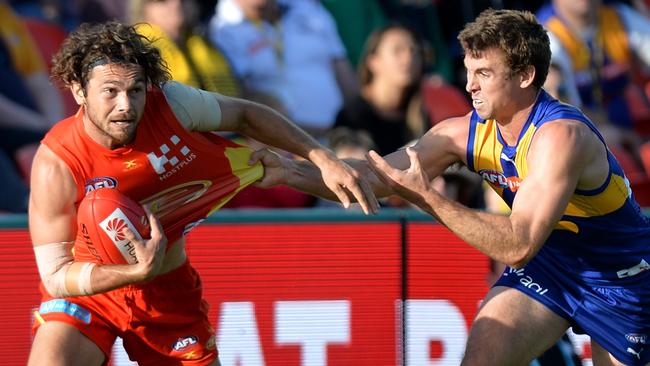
column 556, row 160
column 200, row 110
column 52, row 226
column 441, row 146
column 271, row 128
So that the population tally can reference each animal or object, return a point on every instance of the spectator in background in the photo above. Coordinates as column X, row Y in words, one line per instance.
column 355, row 20
column 318, row 73
column 192, row 60
column 595, row 47
column 244, row 31
column 423, row 17
column 388, row 106
column 96, row 11
column 291, row 51
column 29, row 105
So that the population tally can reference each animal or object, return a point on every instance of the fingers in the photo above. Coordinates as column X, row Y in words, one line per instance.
column 379, row 166
column 365, row 196
column 257, row 156
column 415, row 159
column 154, row 223
column 340, row 193
column 130, row 236
column 379, row 162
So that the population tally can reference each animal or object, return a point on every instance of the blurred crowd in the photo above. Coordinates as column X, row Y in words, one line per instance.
column 357, row 75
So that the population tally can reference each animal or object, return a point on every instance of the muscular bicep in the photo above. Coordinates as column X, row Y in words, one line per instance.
column 441, row 146
column 556, row 160
column 52, row 215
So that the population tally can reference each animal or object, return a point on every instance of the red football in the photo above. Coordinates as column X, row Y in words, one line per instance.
column 101, row 217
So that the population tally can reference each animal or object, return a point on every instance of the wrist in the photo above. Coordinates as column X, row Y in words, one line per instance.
column 293, row 172
column 320, row 156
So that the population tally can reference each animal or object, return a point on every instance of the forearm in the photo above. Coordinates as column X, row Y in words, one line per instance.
column 62, row 276
column 111, row 276
column 306, row 177
column 271, row 128
column 494, row 235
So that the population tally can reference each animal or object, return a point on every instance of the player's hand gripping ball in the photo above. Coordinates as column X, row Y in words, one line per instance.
column 101, row 217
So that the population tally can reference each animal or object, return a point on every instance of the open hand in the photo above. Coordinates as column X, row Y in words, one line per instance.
column 340, row 178
column 411, row 184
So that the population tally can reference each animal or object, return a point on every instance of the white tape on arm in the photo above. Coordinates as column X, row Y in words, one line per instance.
column 196, row 109
column 54, row 261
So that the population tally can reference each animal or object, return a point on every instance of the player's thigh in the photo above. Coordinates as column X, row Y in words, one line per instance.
column 60, row 344
column 511, row 329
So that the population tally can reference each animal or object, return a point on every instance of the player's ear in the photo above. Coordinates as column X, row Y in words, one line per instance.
column 527, row 76
column 78, row 93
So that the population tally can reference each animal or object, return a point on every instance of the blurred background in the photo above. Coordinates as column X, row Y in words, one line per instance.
column 357, row 75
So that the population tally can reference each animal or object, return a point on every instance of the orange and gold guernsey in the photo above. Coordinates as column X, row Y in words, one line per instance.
column 596, row 222
column 184, row 176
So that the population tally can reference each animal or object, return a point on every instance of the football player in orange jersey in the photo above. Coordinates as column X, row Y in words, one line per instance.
column 152, row 139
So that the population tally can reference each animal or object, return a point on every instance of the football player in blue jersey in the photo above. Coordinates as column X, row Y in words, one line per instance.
column 576, row 242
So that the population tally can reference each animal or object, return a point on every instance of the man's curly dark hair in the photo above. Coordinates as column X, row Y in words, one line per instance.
column 92, row 45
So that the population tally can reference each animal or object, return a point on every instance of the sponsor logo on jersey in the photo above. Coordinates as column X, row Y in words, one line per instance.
column 169, row 200
column 635, row 352
column 100, row 182
column 66, row 307
column 189, row 227
column 184, row 342
column 526, row 280
column 633, row 271
column 171, row 159
column 113, row 226
column 211, row 343
column 130, row 164
column 499, row 180
column 636, row 338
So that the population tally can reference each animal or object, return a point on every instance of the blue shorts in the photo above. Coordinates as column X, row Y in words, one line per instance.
column 616, row 314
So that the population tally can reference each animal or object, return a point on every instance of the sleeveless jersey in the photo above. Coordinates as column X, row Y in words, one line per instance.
column 603, row 235
column 183, row 175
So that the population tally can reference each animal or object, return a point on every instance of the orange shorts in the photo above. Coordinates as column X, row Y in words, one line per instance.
column 164, row 321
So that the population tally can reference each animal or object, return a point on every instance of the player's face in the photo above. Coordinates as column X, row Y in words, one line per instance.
column 491, row 84
column 114, row 102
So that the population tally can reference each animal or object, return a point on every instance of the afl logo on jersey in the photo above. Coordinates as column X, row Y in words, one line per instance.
column 100, row 182
column 498, row 180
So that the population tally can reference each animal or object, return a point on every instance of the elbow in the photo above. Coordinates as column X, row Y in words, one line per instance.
column 54, row 289
column 519, row 258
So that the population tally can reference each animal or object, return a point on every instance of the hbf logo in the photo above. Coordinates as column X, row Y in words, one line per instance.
column 168, row 158
column 498, row 180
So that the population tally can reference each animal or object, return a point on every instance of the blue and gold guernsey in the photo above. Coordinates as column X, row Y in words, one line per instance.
column 597, row 251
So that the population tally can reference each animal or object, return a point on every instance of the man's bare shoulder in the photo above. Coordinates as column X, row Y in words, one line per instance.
column 573, row 146
column 50, row 173
column 567, row 132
